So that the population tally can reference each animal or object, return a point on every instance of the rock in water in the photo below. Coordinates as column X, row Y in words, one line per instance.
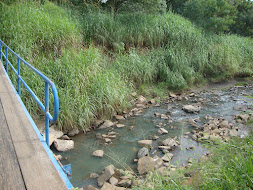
column 98, row 153
column 167, row 157
column 53, row 135
column 191, row 108
column 73, row 132
column 170, row 143
column 145, row 164
column 162, row 131
column 109, row 171
column 90, row 187
column 145, row 142
column 108, row 186
column 63, row 145
column 113, row 181
column 106, row 124
column 142, row 152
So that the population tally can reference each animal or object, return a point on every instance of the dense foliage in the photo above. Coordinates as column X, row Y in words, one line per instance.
column 218, row 15
column 97, row 56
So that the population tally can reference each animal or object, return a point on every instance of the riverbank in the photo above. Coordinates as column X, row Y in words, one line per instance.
column 187, row 134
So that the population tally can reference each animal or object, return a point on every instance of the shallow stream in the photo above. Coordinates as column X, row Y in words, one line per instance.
column 123, row 149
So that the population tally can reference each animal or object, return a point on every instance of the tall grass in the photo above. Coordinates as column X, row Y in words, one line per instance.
column 33, row 29
column 176, row 51
column 139, row 49
column 47, row 37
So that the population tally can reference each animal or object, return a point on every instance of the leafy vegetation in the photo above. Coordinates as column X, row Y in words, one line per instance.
column 97, row 56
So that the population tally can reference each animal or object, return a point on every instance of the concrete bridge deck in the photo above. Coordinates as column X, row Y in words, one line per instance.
column 24, row 162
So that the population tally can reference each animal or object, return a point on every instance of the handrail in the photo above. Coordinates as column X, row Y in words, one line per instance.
column 48, row 82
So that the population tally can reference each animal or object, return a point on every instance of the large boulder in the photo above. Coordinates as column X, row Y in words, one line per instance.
column 63, row 145
column 109, row 171
column 191, row 108
column 145, row 164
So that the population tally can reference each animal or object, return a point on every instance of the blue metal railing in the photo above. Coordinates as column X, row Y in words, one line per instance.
column 48, row 82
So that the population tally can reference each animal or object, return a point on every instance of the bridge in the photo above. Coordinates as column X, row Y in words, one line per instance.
column 26, row 161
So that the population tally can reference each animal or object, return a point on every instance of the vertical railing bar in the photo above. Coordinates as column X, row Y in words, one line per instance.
column 47, row 110
column 19, row 90
column 1, row 51
column 6, row 55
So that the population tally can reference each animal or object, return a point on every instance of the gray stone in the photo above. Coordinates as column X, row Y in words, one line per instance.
column 59, row 157
column 191, row 108
column 73, row 132
column 141, row 100
column 158, row 162
column 108, row 186
column 162, row 131
column 94, row 175
column 142, row 152
column 106, row 124
column 165, row 147
column 109, row 171
column 120, row 188
column 170, row 142
column 145, row 164
column 152, row 101
column 90, row 187
column 172, row 95
column 120, row 125
column 98, row 153
column 145, row 142
column 107, row 140
column 113, row 181
column 167, row 157
column 63, row 145
column 233, row 133
column 163, row 116
column 53, row 135
column 119, row 117
column 125, row 183
column 65, row 137
column 224, row 124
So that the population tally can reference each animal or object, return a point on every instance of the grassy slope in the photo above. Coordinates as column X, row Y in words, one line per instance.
column 142, row 49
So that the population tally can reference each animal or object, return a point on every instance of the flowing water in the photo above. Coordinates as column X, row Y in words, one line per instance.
column 123, row 149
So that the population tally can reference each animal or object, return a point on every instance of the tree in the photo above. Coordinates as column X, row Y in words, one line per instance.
column 214, row 15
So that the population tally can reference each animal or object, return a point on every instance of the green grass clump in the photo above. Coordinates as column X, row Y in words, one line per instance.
column 47, row 37
column 32, row 29
column 162, row 50
column 87, row 89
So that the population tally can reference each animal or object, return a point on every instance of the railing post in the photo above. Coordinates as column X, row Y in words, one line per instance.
column 19, row 90
column 6, row 55
column 47, row 110
column 0, row 51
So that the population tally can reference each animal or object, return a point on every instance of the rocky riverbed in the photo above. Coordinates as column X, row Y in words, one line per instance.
column 161, row 136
